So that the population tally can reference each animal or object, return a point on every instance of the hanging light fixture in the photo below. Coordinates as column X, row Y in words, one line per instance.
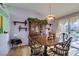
column 50, row 16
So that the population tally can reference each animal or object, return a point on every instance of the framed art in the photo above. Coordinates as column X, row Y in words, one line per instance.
column 1, row 24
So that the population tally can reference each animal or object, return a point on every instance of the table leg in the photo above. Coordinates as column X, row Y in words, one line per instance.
column 45, row 51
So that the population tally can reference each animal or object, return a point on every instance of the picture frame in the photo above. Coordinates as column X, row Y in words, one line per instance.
column 1, row 24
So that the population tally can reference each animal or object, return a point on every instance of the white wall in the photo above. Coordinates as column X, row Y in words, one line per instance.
column 4, row 44
column 20, row 15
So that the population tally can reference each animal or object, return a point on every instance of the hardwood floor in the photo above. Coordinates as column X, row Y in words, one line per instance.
column 23, row 51
column 20, row 51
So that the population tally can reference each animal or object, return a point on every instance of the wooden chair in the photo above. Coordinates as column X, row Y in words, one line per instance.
column 36, row 47
column 37, row 51
column 62, row 48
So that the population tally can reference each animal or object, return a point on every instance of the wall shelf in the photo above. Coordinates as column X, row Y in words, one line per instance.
column 20, row 28
column 16, row 22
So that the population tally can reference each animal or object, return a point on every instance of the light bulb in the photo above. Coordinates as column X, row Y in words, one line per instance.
column 50, row 17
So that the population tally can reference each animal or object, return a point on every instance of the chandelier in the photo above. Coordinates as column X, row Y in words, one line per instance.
column 50, row 16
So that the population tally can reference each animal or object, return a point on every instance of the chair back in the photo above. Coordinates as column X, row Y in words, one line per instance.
column 68, row 42
column 66, row 45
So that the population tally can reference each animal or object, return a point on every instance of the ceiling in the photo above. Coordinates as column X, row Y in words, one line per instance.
column 58, row 9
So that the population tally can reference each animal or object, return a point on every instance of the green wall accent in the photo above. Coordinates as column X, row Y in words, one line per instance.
column 5, row 20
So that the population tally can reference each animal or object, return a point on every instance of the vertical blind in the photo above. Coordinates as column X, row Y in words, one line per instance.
column 67, row 24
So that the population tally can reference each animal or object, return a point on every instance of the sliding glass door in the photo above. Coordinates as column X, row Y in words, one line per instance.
column 70, row 26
